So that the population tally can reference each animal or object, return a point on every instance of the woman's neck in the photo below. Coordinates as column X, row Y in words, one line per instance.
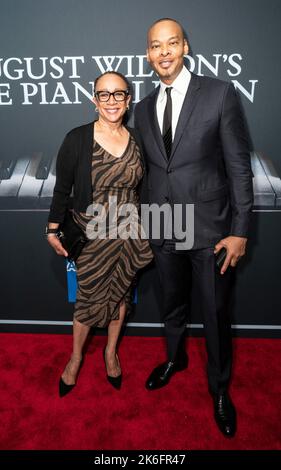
column 109, row 127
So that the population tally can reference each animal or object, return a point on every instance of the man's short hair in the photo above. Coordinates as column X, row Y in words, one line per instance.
column 167, row 19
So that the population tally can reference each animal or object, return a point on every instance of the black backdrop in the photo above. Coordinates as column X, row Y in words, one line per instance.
column 50, row 54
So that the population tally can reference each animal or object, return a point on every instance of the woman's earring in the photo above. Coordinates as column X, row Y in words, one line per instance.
column 128, row 107
column 96, row 109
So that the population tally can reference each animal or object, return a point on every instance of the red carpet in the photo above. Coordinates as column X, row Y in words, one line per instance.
column 95, row 416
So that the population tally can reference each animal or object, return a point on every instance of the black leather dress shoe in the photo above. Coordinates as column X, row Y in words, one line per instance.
column 225, row 414
column 162, row 374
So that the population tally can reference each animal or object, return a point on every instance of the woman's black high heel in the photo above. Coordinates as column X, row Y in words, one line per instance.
column 64, row 389
column 114, row 381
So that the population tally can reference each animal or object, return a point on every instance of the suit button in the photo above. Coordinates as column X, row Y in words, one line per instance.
column 170, row 170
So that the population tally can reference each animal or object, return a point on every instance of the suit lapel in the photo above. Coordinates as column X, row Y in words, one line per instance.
column 187, row 108
column 152, row 113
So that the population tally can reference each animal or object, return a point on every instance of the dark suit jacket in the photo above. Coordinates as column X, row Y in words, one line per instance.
column 209, row 164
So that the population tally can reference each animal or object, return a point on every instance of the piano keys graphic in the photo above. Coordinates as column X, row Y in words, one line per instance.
column 27, row 183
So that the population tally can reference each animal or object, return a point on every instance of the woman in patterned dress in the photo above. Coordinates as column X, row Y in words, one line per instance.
column 102, row 161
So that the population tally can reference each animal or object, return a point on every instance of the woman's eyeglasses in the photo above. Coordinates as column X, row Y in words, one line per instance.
column 118, row 95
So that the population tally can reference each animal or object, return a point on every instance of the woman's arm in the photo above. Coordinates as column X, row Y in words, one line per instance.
column 65, row 167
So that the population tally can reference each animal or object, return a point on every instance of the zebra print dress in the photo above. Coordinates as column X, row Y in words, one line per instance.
column 107, row 266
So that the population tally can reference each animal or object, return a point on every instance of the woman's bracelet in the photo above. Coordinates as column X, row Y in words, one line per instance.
column 51, row 231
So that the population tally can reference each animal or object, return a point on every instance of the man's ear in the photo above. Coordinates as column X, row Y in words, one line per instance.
column 147, row 56
column 186, row 47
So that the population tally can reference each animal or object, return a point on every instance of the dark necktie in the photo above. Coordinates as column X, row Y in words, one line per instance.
column 167, row 123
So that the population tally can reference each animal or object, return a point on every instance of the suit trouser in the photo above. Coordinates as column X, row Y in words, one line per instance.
column 176, row 270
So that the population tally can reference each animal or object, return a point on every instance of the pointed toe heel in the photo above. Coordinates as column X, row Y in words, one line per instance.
column 116, row 382
column 64, row 389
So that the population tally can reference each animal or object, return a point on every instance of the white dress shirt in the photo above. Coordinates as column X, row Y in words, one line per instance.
column 180, row 87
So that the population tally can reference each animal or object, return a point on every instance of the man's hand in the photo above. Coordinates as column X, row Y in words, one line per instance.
column 56, row 244
column 235, row 247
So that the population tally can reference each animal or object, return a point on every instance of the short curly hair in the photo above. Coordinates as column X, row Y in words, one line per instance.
column 112, row 72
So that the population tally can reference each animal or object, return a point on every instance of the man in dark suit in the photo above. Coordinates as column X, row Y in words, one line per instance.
column 195, row 145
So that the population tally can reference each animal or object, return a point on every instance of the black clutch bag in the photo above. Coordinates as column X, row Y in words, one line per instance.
column 72, row 237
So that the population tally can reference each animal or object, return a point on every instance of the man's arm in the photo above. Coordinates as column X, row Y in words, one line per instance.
column 235, row 146
column 143, row 185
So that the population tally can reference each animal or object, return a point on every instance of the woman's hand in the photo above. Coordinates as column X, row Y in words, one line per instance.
column 56, row 244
